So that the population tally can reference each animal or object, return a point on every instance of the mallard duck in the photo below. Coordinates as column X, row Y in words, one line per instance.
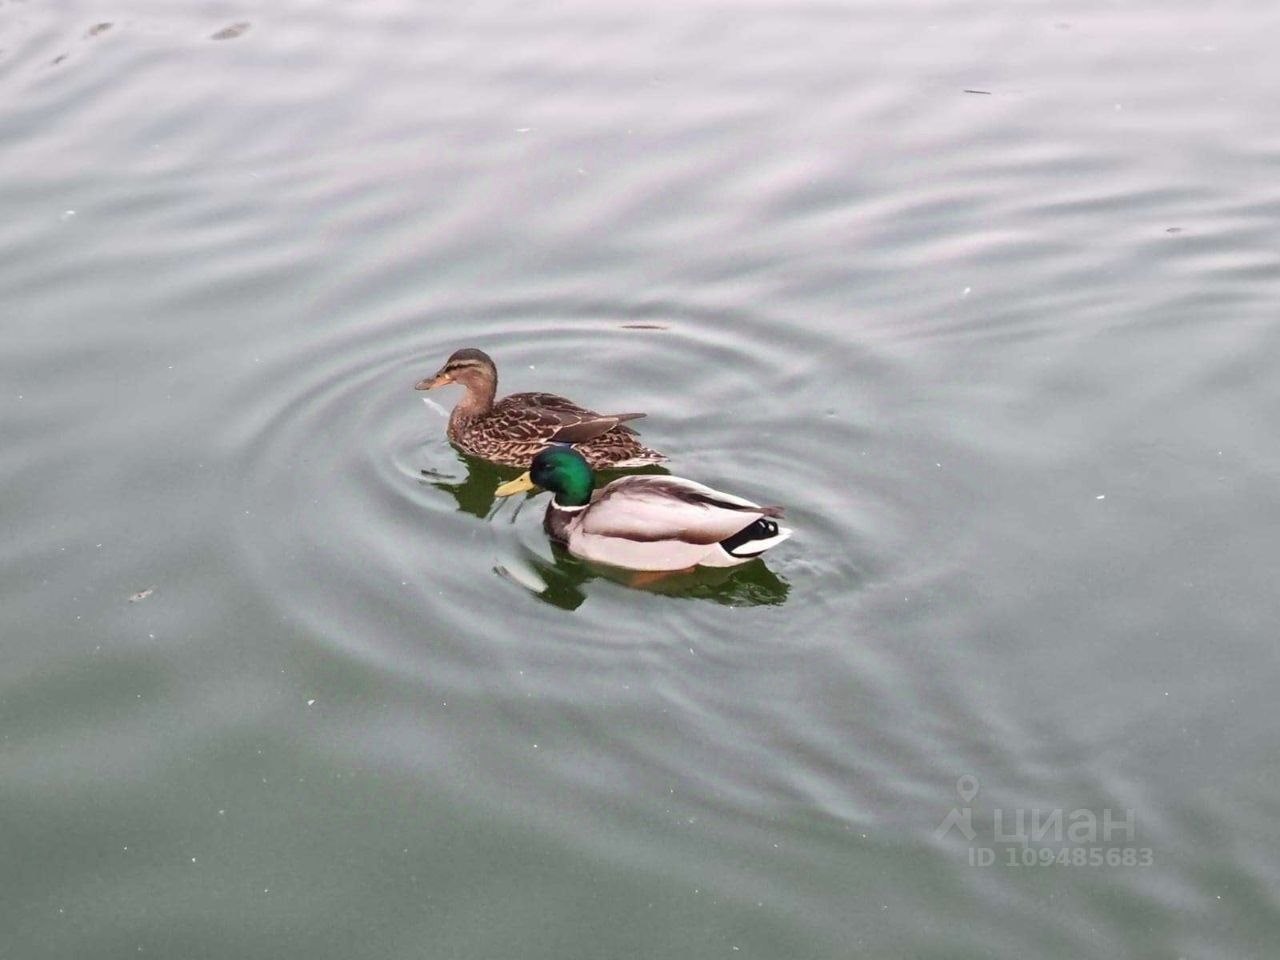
column 646, row 522
column 511, row 431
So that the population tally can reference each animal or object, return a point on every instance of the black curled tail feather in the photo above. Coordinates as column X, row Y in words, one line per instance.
column 761, row 529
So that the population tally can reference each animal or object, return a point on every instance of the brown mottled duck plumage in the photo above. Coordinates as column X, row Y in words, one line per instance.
column 511, row 431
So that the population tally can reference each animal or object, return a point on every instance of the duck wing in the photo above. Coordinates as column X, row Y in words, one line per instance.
column 553, row 419
column 653, row 508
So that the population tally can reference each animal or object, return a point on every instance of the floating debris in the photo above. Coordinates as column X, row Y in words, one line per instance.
column 985, row 93
column 231, row 32
column 645, row 326
column 98, row 28
column 142, row 595
column 521, row 577
column 1172, row 229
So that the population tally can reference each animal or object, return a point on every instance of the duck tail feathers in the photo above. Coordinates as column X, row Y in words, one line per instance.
column 755, row 538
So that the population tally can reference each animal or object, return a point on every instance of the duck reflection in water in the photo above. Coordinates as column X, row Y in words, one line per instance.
column 560, row 580
column 475, row 492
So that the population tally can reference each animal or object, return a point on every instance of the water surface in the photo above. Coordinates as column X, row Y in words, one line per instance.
column 984, row 293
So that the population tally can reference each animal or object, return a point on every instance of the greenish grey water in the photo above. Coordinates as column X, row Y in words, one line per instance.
column 1010, row 359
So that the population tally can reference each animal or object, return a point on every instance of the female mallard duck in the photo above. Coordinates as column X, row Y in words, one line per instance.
column 646, row 522
column 511, row 431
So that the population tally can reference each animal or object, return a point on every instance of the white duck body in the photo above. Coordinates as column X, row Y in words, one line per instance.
column 665, row 523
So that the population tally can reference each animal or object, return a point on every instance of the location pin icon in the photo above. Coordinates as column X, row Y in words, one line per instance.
column 967, row 787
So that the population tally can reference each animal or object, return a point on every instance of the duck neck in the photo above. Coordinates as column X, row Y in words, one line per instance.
column 557, row 519
column 476, row 402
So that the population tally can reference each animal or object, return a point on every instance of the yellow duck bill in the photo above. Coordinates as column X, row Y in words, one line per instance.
column 520, row 484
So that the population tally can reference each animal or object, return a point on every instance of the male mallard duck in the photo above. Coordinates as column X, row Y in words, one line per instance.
column 511, row 431
column 646, row 522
